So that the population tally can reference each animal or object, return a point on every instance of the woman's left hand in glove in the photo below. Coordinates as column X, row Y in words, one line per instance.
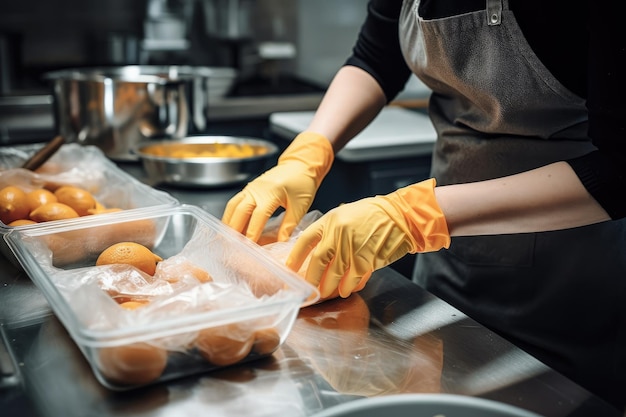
column 351, row 241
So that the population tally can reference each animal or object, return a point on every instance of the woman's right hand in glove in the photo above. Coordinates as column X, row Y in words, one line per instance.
column 291, row 184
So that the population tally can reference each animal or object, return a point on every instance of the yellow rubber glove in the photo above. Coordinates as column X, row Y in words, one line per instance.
column 351, row 241
column 291, row 184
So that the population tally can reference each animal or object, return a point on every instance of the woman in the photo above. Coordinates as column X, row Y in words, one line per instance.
column 524, row 229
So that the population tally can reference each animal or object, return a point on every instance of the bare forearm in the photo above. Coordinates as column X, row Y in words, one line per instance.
column 351, row 102
column 547, row 198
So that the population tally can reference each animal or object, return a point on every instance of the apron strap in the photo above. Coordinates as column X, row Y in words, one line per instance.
column 494, row 12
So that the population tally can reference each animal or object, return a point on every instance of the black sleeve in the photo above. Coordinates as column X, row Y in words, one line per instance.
column 604, row 178
column 603, row 172
column 377, row 50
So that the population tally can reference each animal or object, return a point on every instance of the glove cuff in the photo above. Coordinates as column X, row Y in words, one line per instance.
column 313, row 150
column 425, row 219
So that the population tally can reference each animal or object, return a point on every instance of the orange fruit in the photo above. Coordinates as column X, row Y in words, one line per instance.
column 266, row 341
column 136, row 364
column 21, row 222
column 102, row 211
column 130, row 253
column 185, row 269
column 38, row 198
column 77, row 198
column 108, row 210
column 224, row 345
column 100, row 208
column 50, row 168
column 13, row 204
column 198, row 273
column 141, row 231
column 53, row 211
column 133, row 304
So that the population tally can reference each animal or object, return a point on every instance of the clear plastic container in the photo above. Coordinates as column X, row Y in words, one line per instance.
column 215, row 299
column 81, row 166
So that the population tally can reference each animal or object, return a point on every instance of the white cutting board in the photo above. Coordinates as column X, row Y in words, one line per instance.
column 396, row 132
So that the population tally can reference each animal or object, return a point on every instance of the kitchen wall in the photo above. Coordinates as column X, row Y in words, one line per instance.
column 42, row 35
column 53, row 30
column 327, row 30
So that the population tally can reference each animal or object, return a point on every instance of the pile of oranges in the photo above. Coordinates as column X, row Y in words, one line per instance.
column 141, row 363
column 19, row 207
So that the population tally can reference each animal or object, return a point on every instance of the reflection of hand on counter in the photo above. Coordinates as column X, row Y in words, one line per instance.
column 336, row 337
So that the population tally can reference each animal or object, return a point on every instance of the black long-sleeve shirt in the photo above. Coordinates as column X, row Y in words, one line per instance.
column 581, row 42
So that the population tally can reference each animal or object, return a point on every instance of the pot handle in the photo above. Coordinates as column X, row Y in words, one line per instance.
column 42, row 155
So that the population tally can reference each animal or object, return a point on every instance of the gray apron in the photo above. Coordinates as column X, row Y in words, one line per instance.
column 498, row 111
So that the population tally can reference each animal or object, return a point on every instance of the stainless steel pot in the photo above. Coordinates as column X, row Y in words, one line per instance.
column 117, row 108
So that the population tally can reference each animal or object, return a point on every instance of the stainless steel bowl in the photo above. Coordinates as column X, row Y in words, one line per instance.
column 116, row 108
column 425, row 405
column 206, row 161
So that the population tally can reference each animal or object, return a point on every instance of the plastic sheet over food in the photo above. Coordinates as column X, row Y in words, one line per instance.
column 182, row 285
column 81, row 166
column 280, row 250
column 85, row 167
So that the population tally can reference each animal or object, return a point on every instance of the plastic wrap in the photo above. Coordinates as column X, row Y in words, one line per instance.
column 215, row 299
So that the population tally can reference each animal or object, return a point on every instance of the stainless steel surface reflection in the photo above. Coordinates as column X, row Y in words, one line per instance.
column 338, row 351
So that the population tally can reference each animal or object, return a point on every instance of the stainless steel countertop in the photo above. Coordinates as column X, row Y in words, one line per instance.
column 392, row 337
